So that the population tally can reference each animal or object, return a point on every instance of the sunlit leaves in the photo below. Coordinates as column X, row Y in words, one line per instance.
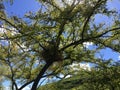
column 106, row 76
column 57, row 33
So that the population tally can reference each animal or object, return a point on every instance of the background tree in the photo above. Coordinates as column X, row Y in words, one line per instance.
column 54, row 38
column 103, row 76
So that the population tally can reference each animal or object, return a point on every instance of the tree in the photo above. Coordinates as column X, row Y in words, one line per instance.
column 104, row 76
column 54, row 38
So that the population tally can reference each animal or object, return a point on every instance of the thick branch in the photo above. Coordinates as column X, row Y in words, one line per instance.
column 26, row 84
column 34, row 80
column 89, row 38
column 39, row 76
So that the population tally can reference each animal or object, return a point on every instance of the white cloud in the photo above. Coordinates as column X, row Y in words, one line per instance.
column 2, row 30
column 6, row 88
column 85, row 66
column 87, row 44
column 62, row 76
column 69, row 2
column 26, row 88
column 37, row 62
column 76, row 1
column 13, row 31
column 119, row 57
column 68, row 76
column 78, row 66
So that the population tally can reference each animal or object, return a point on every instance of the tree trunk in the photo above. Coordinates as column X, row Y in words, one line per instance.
column 35, row 84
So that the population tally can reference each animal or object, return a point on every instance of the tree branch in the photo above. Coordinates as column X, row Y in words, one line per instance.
column 88, row 39
column 34, row 80
column 88, row 18
column 11, row 68
column 39, row 76
column 112, row 48
column 25, row 84
column 9, row 23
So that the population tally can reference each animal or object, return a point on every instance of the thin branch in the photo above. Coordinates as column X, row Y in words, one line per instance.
column 11, row 68
column 60, row 32
column 20, row 47
column 107, row 31
column 72, row 44
column 88, row 18
column 9, row 23
column 103, row 43
column 65, row 19
column 51, row 3
column 42, row 82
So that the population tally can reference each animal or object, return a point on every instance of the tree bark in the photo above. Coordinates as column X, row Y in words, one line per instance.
column 39, row 76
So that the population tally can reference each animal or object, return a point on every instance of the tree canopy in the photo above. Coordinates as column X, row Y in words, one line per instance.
column 102, row 77
column 46, row 43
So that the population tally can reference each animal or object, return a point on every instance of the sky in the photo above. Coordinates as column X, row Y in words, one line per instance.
column 20, row 7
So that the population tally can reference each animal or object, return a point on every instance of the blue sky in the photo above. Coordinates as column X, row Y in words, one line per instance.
column 114, row 4
column 20, row 7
